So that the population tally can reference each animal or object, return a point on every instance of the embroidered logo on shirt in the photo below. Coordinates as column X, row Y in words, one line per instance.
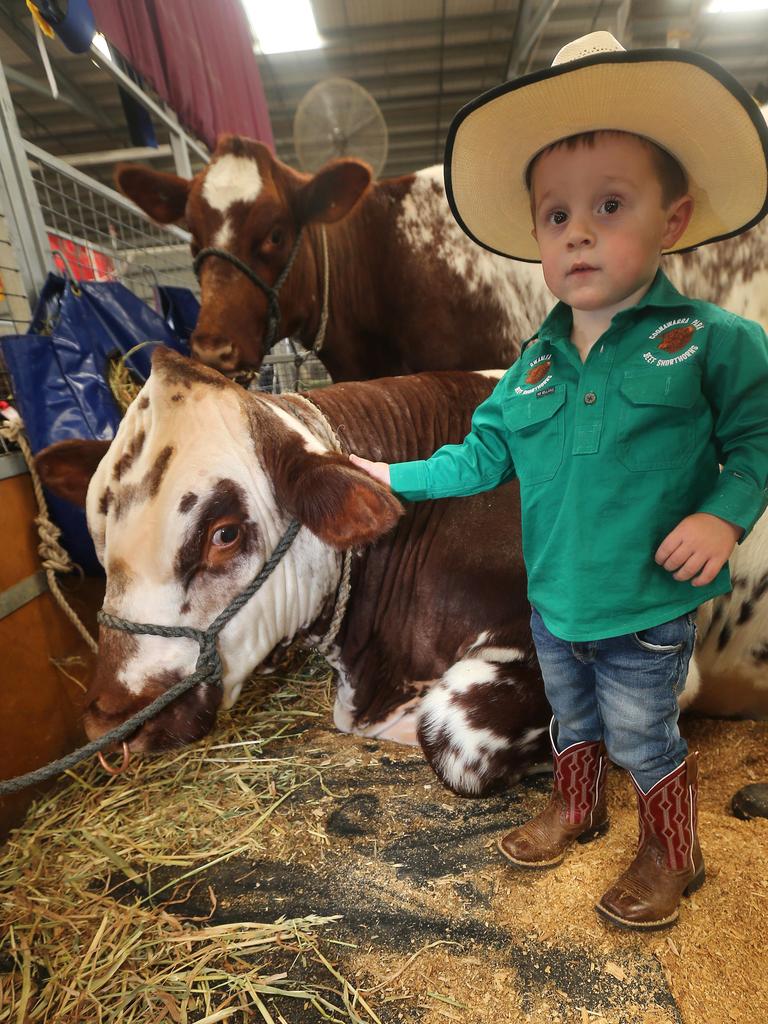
column 675, row 335
column 677, row 338
column 538, row 374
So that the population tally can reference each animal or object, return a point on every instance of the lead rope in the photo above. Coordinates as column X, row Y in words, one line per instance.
column 53, row 557
column 342, row 594
column 320, row 336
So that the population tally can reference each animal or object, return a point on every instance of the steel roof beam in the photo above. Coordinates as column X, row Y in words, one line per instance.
column 24, row 39
column 388, row 32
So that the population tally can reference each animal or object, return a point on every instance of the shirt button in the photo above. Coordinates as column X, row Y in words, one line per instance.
column 590, row 398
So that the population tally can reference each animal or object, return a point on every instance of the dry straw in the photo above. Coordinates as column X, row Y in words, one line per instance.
column 122, row 383
column 73, row 950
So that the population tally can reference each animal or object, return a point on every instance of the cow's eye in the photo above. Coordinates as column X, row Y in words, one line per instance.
column 226, row 536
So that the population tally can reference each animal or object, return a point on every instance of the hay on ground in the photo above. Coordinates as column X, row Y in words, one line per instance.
column 282, row 872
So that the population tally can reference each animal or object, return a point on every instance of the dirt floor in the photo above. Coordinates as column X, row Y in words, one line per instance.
column 435, row 926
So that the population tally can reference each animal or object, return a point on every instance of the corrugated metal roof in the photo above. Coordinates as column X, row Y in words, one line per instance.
column 423, row 60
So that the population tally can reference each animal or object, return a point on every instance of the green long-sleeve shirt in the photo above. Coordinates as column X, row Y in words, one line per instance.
column 613, row 452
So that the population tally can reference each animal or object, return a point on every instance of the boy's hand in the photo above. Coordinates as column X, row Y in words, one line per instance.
column 699, row 544
column 378, row 470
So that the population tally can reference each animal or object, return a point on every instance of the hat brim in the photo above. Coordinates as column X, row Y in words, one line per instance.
column 683, row 101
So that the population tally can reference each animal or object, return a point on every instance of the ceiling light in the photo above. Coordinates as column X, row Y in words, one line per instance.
column 736, row 6
column 101, row 44
column 284, row 26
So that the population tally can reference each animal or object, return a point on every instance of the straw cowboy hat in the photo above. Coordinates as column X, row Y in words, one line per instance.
column 682, row 101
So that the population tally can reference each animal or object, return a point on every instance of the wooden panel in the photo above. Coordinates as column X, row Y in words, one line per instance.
column 40, row 707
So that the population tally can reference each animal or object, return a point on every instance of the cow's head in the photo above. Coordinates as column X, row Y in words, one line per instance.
column 184, row 507
column 252, row 205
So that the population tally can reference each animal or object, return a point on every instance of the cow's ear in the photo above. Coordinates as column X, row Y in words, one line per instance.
column 66, row 467
column 333, row 191
column 162, row 196
column 341, row 505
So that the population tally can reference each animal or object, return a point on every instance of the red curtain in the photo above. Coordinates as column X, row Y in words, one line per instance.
column 198, row 56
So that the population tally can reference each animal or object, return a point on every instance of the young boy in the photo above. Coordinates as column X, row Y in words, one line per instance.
column 616, row 419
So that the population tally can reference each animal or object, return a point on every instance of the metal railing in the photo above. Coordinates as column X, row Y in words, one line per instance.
column 15, row 313
column 14, row 305
column 289, row 367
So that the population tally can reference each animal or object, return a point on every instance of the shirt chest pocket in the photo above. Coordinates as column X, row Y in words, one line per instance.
column 657, row 424
column 537, row 432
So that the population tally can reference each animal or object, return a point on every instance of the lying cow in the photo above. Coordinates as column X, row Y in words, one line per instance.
column 192, row 497
column 408, row 290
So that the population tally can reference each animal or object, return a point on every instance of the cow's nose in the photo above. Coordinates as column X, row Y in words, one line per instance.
column 215, row 351
column 106, row 710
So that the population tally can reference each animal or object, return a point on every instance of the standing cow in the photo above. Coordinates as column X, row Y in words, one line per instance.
column 407, row 289
column 729, row 671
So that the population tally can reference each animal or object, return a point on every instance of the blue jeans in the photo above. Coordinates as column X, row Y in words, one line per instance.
column 622, row 690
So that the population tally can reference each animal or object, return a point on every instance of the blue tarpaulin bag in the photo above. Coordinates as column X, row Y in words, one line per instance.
column 179, row 308
column 59, row 373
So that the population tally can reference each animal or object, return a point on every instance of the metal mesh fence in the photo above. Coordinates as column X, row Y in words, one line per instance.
column 14, row 306
column 97, row 234
column 290, row 367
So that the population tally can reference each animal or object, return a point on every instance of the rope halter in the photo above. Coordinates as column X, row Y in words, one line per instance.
column 272, row 292
column 208, row 668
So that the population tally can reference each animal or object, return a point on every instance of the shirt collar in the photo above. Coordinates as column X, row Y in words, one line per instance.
column 661, row 294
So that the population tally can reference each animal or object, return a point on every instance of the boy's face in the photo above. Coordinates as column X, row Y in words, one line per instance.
column 600, row 221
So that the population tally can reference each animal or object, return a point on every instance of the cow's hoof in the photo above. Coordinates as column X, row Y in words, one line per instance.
column 751, row 801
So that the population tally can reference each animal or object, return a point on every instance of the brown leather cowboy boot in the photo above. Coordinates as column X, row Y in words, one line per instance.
column 576, row 810
column 668, row 864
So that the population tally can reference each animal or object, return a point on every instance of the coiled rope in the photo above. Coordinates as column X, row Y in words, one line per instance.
column 53, row 557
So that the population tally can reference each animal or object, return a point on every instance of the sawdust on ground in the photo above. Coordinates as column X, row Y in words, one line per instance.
column 713, row 959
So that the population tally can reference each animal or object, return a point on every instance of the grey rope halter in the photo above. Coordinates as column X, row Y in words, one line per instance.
column 207, row 669
column 272, row 292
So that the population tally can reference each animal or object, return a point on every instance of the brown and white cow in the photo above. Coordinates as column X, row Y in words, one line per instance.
column 192, row 497
column 198, row 486
column 408, row 290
